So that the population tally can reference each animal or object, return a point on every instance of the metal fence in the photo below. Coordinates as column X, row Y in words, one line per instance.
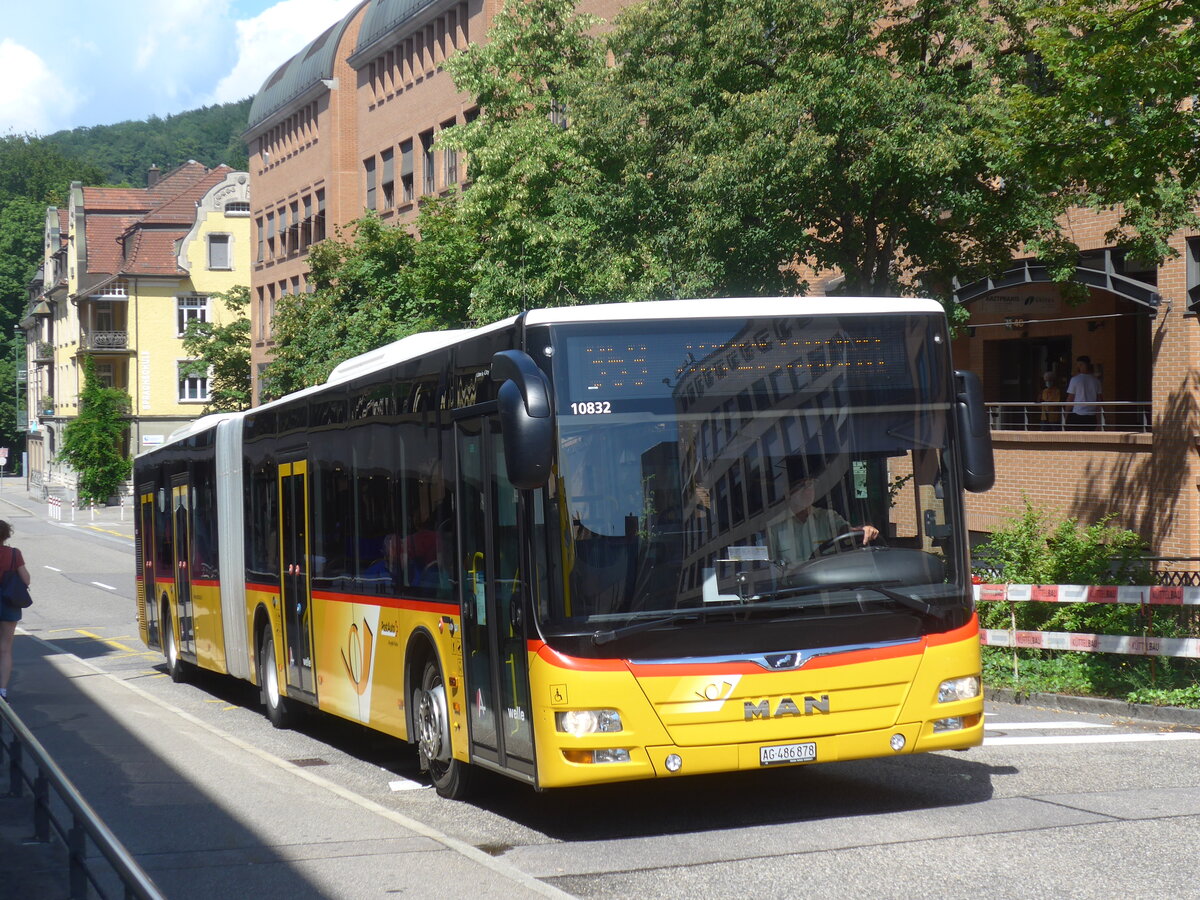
column 1125, row 415
column 59, row 808
column 1166, row 571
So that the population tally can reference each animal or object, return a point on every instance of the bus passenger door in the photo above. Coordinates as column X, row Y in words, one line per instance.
column 147, row 604
column 293, row 556
column 493, row 597
column 182, row 513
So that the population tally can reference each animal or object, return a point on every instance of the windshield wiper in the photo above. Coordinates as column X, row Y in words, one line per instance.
column 905, row 600
column 607, row 637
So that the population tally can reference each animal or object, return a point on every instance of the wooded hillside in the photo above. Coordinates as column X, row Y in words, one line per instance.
column 210, row 135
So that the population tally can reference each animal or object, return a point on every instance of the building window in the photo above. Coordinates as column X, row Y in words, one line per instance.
column 369, row 171
column 406, row 172
column 428, row 187
column 191, row 307
column 218, row 252
column 237, row 208
column 261, row 244
column 191, row 387
column 388, row 182
column 270, row 235
column 1193, row 274
column 104, row 374
column 449, row 159
column 283, row 235
column 306, row 224
column 319, row 221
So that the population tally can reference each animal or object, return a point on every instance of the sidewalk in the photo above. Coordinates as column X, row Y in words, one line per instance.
column 116, row 521
column 207, row 814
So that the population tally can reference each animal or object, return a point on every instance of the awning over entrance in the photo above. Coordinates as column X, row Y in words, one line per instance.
column 1032, row 271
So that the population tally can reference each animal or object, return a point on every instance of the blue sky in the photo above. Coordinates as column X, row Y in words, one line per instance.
column 97, row 62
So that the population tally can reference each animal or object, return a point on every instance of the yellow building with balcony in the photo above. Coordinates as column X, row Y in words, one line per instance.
column 125, row 270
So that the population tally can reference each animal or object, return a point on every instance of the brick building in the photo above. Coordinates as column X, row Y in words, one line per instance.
column 1140, row 463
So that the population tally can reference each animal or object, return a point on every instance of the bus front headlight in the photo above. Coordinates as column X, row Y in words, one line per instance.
column 958, row 689
column 579, row 722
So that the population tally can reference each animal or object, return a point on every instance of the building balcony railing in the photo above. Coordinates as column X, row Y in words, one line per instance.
column 43, row 352
column 1124, row 415
column 104, row 340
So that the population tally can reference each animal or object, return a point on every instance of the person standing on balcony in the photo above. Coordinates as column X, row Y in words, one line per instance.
column 1085, row 391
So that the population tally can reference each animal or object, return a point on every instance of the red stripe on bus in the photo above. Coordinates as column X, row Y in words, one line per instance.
column 389, row 602
column 970, row 631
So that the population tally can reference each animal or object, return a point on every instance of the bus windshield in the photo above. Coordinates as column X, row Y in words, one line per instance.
column 790, row 475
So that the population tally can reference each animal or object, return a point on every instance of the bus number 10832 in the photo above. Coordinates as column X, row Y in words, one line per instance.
column 592, row 408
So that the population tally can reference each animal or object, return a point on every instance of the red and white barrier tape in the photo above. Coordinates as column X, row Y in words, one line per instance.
column 1092, row 643
column 1156, row 595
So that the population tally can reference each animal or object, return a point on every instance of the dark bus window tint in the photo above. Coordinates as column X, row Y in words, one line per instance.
column 262, row 530
column 423, row 507
column 205, row 562
column 333, row 525
column 378, row 541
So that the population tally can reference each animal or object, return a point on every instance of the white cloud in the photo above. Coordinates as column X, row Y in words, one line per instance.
column 34, row 97
column 271, row 38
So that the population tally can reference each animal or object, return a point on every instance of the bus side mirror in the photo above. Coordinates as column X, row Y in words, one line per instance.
column 975, row 433
column 526, row 419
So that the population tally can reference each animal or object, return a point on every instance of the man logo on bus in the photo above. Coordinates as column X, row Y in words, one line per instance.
column 786, row 707
column 358, row 663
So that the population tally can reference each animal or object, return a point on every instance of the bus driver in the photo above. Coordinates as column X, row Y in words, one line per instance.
column 799, row 536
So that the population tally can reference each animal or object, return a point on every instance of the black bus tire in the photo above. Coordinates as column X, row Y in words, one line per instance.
column 279, row 710
column 451, row 777
column 176, row 667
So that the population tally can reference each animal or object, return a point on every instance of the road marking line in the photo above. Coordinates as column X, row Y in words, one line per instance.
column 1093, row 739
column 1032, row 726
column 405, row 785
column 108, row 641
column 52, row 568
column 107, row 587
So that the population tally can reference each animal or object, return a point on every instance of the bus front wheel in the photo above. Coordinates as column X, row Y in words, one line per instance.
column 278, row 708
column 451, row 777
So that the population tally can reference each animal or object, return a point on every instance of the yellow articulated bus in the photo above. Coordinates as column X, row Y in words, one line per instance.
column 595, row 544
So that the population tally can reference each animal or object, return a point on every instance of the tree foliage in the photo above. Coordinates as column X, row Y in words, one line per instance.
column 125, row 151
column 720, row 148
column 1111, row 118
column 372, row 284
column 34, row 174
column 93, row 442
column 222, row 353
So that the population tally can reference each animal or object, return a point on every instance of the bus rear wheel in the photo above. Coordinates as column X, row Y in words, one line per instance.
column 279, row 710
column 431, row 717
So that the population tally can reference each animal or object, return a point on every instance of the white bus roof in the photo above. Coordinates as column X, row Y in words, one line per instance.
column 726, row 307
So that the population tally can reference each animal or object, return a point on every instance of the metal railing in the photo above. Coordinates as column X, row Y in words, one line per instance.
column 1163, row 570
column 1119, row 415
column 104, row 340
column 47, row 783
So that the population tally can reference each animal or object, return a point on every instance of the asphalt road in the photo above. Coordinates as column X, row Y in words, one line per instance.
column 1055, row 804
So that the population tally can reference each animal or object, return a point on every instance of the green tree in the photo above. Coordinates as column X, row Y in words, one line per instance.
column 1110, row 119
column 222, row 352
column 730, row 140
column 372, row 284
column 93, row 441
column 33, row 175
